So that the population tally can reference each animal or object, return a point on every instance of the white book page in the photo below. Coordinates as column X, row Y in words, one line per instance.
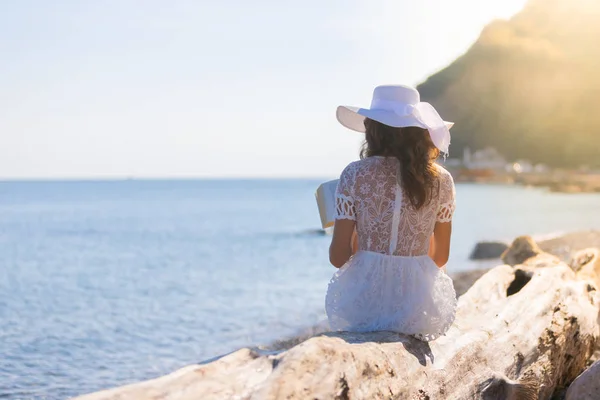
column 326, row 202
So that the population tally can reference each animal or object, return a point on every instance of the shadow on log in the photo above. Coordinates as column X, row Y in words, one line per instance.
column 521, row 332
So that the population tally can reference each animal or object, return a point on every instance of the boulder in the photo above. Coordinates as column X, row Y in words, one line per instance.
column 488, row 250
column 523, row 248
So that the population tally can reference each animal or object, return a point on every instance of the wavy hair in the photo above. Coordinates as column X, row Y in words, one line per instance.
column 415, row 151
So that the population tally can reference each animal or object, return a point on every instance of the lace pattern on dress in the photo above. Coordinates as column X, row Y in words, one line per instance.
column 391, row 283
column 447, row 202
column 445, row 212
column 344, row 207
column 367, row 193
column 377, row 292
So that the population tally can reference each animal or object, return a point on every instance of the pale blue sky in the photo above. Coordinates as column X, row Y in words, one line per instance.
column 209, row 89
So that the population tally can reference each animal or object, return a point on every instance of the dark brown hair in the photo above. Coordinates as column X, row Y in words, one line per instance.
column 413, row 148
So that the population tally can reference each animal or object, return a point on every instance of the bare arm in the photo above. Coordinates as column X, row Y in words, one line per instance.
column 343, row 242
column 354, row 242
column 439, row 248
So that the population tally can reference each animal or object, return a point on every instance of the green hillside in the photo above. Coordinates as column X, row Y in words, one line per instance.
column 529, row 87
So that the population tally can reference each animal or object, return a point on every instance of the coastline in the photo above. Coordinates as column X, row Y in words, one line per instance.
column 559, row 181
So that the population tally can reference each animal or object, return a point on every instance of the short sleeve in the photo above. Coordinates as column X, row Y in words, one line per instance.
column 447, row 202
column 344, row 195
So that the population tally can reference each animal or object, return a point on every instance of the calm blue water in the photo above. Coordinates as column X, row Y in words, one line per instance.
column 107, row 283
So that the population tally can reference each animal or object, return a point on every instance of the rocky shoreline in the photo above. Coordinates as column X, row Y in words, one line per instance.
column 564, row 247
column 557, row 181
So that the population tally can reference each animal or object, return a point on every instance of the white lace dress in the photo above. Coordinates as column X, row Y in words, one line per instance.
column 391, row 283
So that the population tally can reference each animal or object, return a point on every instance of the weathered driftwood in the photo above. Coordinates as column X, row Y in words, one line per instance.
column 520, row 333
column 587, row 385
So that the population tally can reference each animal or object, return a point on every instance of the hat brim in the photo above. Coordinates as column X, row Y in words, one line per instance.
column 354, row 118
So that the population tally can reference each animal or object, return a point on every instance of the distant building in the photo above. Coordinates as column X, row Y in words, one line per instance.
column 523, row 166
column 488, row 158
column 452, row 162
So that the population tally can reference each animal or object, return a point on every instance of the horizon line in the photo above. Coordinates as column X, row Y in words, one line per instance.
column 161, row 178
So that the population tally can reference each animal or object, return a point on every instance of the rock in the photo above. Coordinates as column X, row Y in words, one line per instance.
column 521, row 332
column 315, row 232
column 587, row 385
column 488, row 250
column 567, row 245
column 465, row 279
column 522, row 248
column 587, row 264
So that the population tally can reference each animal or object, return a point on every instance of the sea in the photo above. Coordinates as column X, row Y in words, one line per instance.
column 104, row 283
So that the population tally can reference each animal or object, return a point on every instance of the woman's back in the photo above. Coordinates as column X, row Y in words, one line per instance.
column 386, row 220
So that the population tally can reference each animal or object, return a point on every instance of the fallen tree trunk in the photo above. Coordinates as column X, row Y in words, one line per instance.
column 520, row 333
column 587, row 385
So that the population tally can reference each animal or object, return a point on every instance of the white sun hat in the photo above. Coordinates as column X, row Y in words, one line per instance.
column 398, row 106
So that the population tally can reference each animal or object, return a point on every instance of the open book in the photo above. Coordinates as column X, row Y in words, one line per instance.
column 326, row 202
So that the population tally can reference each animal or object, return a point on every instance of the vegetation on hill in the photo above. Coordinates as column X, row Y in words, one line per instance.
column 529, row 86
